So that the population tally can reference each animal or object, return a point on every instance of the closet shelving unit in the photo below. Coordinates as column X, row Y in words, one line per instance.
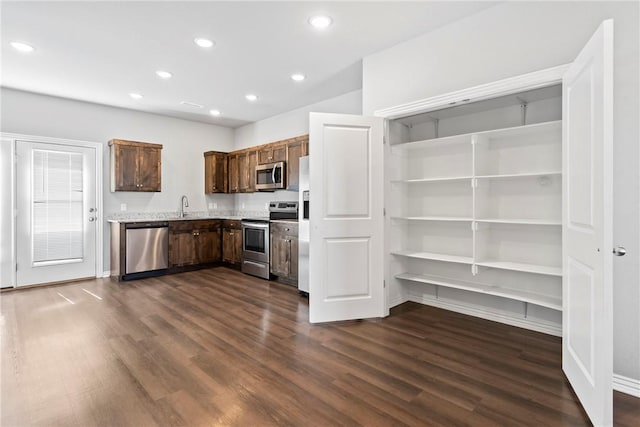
column 481, row 212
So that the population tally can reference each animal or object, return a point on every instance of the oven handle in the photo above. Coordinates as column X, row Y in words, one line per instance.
column 255, row 225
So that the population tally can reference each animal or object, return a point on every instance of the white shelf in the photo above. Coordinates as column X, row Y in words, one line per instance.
column 426, row 143
column 520, row 221
column 519, row 175
column 435, row 179
column 529, row 297
column 519, row 266
column 503, row 133
column 519, row 131
column 435, row 256
column 432, row 218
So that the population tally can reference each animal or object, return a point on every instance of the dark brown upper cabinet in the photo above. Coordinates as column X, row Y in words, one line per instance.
column 296, row 148
column 215, row 172
column 272, row 153
column 135, row 166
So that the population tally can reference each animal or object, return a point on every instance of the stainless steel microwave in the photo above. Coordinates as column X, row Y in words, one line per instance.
column 271, row 176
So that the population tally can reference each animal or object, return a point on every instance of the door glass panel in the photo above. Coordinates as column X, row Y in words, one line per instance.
column 57, row 226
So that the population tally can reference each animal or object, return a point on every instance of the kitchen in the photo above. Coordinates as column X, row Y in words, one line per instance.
column 183, row 172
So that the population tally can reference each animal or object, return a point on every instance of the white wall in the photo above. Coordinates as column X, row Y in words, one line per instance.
column 184, row 143
column 295, row 122
column 515, row 38
column 286, row 125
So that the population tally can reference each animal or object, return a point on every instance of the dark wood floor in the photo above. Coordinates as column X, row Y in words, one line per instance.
column 216, row 347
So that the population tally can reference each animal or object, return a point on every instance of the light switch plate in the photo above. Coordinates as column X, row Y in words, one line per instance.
column 123, row 207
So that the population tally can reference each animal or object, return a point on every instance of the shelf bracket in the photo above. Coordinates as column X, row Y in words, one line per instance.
column 526, row 309
column 523, row 110
column 474, row 270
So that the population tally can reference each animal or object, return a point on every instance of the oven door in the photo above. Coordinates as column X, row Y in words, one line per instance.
column 255, row 241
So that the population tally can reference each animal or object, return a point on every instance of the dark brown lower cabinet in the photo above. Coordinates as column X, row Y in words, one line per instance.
column 231, row 242
column 284, row 251
column 194, row 242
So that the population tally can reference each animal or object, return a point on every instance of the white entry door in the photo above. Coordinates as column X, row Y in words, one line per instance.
column 346, row 217
column 587, row 318
column 56, row 212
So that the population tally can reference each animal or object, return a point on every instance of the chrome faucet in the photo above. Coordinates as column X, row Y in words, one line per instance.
column 184, row 203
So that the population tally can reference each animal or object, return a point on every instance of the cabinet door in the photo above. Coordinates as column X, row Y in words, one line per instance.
column 215, row 173
column 293, row 256
column 251, row 171
column 228, row 245
column 265, row 156
column 126, row 167
column 182, row 248
column 279, row 153
column 295, row 150
column 234, row 176
column 149, row 172
column 237, row 246
column 280, row 255
column 208, row 245
column 243, row 167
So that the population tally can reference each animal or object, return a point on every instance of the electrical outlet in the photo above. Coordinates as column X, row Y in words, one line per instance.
column 215, row 205
column 241, row 205
column 211, row 206
column 123, row 207
column 266, row 206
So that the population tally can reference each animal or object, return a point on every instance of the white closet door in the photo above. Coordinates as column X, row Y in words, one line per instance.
column 346, row 218
column 587, row 231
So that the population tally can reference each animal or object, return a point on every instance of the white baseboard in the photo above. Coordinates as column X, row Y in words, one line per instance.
column 106, row 273
column 509, row 320
column 396, row 300
column 626, row 385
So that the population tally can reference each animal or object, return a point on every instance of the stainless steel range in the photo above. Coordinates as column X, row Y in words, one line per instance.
column 255, row 238
column 255, row 247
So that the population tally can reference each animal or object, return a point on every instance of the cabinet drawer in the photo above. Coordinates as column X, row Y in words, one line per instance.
column 195, row 224
column 284, row 228
column 231, row 224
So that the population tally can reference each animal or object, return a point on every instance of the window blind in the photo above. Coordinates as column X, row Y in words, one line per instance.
column 57, row 214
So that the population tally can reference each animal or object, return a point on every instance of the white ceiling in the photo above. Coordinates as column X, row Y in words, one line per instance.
column 102, row 51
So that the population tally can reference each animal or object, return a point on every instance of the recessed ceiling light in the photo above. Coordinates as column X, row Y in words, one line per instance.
column 203, row 42
column 251, row 97
column 191, row 104
column 320, row 21
column 22, row 47
column 135, row 95
column 164, row 74
column 297, row 77
column 214, row 112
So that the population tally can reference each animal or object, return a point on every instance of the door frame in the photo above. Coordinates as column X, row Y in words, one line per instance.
column 13, row 138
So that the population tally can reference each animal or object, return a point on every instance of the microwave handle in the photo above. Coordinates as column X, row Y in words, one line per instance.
column 273, row 174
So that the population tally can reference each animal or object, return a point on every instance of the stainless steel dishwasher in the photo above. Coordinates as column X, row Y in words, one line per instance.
column 147, row 247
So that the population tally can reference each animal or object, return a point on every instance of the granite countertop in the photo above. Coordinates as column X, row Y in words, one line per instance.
column 122, row 217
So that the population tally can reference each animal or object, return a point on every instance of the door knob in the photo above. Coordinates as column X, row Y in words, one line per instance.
column 619, row 251
column 91, row 219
